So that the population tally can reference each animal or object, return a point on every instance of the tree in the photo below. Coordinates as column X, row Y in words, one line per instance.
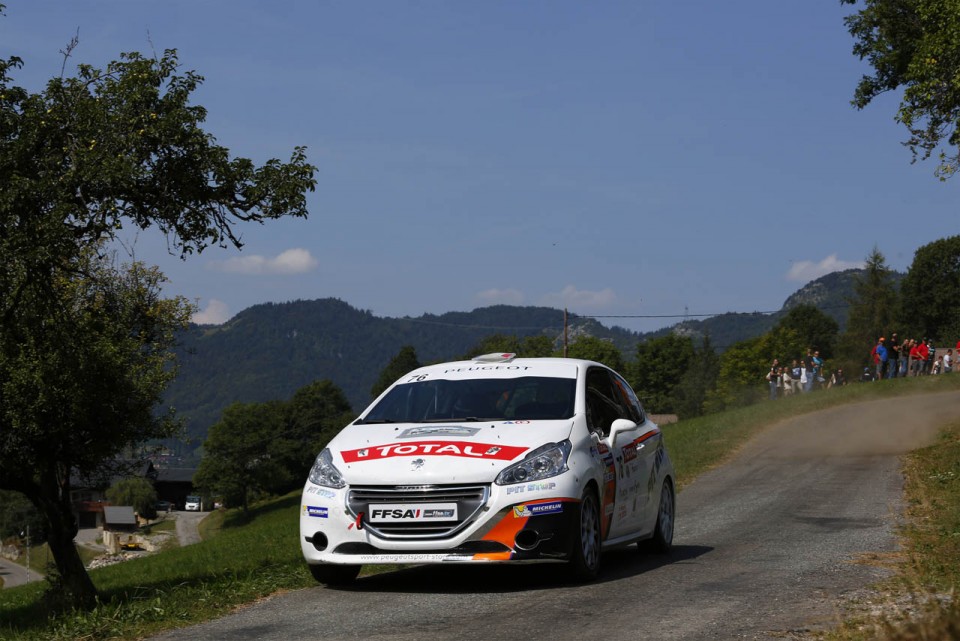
column 264, row 448
column 137, row 492
column 873, row 310
column 85, row 347
column 698, row 381
column 315, row 414
column 812, row 329
column 914, row 44
column 660, row 366
column 596, row 349
column 403, row 363
column 527, row 347
column 239, row 457
column 931, row 290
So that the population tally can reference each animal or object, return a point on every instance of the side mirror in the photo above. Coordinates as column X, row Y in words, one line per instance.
column 620, row 425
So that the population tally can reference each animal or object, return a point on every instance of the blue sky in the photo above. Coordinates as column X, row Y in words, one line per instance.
column 614, row 158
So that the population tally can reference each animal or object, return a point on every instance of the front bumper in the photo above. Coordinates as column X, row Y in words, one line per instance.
column 527, row 521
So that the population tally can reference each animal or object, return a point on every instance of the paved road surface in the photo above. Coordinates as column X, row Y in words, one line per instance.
column 14, row 574
column 766, row 548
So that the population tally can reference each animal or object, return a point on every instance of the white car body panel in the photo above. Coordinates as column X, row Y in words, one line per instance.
column 408, row 467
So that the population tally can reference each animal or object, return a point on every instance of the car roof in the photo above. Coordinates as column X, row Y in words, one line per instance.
column 504, row 366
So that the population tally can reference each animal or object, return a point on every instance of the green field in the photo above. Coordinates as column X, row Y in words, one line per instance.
column 242, row 560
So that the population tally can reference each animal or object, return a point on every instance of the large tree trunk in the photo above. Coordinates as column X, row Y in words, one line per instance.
column 54, row 503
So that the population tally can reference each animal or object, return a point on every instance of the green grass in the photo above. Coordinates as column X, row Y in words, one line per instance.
column 920, row 602
column 243, row 559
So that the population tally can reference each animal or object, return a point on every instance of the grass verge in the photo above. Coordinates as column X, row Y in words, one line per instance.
column 243, row 559
column 921, row 602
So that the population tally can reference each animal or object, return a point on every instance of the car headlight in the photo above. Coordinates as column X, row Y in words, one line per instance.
column 543, row 462
column 325, row 473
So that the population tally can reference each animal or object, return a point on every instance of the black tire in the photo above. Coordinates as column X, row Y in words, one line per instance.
column 330, row 574
column 585, row 555
column 662, row 539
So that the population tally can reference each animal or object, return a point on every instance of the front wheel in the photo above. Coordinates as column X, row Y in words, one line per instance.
column 663, row 531
column 331, row 574
column 585, row 557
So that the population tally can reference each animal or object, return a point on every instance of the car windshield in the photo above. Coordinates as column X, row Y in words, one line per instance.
column 509, row 399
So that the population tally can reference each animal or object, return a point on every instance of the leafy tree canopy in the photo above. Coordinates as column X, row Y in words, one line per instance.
column 931, row 290
column 812, row 328
column 914, row 45
column 137, row 492
column 86, row 346
column 873, row 310
column 660, row 366
column 596, row 349
column 403, row 363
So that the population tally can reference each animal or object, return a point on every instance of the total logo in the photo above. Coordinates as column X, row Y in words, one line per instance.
column 434, row 448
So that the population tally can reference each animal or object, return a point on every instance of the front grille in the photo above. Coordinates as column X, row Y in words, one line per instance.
column 470, row 499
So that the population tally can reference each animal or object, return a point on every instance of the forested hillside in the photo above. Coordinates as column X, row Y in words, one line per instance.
column 269, row 351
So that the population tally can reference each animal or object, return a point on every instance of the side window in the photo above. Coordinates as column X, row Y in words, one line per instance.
column 605, row 404
column 630, row 398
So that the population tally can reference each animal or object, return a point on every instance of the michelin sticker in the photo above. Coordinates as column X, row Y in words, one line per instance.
column 536, row 509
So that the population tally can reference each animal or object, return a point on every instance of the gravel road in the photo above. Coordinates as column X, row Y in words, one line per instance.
column 767, row 547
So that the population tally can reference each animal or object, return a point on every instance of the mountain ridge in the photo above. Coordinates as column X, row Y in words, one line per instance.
column 270, row 350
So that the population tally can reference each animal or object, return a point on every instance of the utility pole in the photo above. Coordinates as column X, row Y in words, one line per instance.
column 564, row 332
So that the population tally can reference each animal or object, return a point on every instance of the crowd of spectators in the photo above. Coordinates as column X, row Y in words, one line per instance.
column 912, row 357
column 891, row 359
column 802, row 375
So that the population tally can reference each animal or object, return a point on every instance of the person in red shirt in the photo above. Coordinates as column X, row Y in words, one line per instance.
column 920, row 358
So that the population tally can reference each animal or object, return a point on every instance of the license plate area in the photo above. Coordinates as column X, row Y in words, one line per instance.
column 412, row 513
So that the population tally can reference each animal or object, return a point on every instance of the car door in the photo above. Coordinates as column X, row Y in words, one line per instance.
column 643, row 452
column 621, row 500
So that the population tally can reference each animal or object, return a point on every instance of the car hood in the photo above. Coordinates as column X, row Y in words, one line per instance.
column 474, row 452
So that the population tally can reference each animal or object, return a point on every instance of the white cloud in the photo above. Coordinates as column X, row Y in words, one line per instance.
column 804, row 271
column 500, row 297
column 580, row 299
column 292, row 261
column 216, row 313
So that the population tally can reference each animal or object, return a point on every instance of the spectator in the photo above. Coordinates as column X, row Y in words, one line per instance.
column 917, row 357
column 795, row 375
column 880, row 357
column 893, row 356
column 818, row 368
column 923, row 351
column 786, row 380
column 773, row 378
column 931, row 355
column 867, row 375
column 937, row 367
column 838, row 379
column 948, row 362
column 905, row 356
column 808, row 374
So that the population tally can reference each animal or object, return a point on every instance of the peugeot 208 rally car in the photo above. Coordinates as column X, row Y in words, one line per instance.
column 492, row 460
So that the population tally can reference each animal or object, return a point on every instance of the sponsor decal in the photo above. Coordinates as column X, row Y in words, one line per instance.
column 316, row 511
column 485, row 368
column 629, row 452
column 416, row 464
column 435, row 448
column 439, row 430
column 536, row 509
column 320, row 491
column 516, row 422
column 399, row 512
column 531, row 487
column 409, row 558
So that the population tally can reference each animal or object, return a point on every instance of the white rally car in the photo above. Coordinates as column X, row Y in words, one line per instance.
column 495, row 459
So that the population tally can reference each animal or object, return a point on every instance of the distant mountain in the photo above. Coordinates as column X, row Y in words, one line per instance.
column 269, row 351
